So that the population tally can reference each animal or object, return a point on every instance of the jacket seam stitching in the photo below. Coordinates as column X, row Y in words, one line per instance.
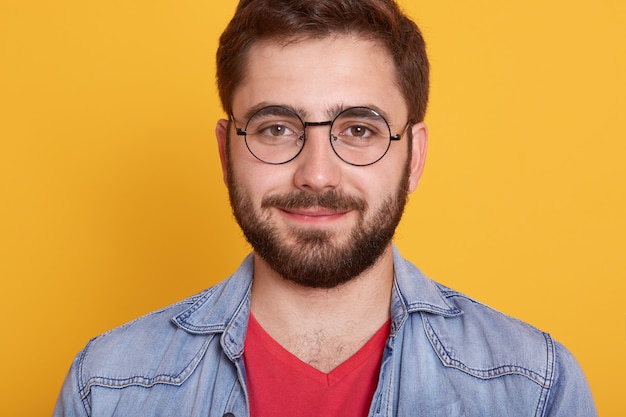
column 448, row 361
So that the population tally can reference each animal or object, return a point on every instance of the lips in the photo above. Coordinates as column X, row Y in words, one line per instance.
column 314, row 213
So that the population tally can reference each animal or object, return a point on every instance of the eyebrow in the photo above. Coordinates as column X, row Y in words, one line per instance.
column 276, row 111
column 331, row 111
column 260, row 106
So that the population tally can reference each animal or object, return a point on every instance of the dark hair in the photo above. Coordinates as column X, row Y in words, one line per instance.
column 287, row 21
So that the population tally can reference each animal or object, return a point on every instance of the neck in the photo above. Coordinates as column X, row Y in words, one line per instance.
column 347, row 315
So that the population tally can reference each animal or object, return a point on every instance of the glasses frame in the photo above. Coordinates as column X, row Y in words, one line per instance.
column 243, row 132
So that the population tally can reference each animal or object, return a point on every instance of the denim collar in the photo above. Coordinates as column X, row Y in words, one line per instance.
column 412, row 292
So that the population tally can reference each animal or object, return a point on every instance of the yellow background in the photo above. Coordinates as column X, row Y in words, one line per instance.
column 112, row 204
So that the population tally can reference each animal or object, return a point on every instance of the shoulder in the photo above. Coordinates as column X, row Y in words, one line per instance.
column 146, row 348
column 161, row 350
column 167, row 344
column 469, row 335
column 144, row 330
column 478, row 318
column 487, row 343
column 495, row 344
column 162, row 347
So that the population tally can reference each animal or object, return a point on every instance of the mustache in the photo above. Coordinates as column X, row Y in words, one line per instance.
column 332, row 199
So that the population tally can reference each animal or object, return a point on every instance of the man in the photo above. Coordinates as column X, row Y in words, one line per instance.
column 325, row 140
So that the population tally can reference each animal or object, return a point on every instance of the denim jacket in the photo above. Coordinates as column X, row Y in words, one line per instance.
column 447, row 356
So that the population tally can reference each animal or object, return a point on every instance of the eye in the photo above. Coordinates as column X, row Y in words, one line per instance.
column 277, row 130
column 359, row 127
column 273, row 123
column 357, row 131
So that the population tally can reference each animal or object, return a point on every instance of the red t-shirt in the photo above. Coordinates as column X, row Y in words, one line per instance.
column 280, row 384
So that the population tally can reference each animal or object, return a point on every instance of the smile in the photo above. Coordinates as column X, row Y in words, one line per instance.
column 314, row 214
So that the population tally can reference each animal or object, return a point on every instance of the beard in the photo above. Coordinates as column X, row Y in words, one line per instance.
column 315, row 259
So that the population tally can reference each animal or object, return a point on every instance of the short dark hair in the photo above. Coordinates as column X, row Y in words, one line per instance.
column 288, row 21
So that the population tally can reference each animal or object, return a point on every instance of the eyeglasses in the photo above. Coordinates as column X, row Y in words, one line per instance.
column 358, row 135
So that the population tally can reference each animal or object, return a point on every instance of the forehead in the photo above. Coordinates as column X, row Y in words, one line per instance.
column 319, row 75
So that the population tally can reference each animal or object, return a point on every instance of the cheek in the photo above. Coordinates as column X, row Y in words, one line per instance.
column 385, row 178
column 242, row 167
column 257, row 179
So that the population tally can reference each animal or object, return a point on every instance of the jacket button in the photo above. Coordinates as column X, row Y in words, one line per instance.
column 229, row 415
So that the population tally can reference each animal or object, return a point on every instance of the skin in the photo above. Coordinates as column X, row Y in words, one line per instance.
column 322, row 327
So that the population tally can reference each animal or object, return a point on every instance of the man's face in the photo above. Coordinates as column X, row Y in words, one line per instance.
column 317, row 220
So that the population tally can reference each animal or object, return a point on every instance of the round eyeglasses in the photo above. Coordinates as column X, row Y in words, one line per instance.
column 358, row 135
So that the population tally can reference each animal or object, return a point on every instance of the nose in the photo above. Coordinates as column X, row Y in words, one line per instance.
column 317, row 167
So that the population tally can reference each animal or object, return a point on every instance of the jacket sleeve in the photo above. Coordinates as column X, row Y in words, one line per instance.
column 569, row 395
column 69, row 402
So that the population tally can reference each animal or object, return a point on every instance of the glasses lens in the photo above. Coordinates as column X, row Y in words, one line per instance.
column 360, row 136
column 275, row 135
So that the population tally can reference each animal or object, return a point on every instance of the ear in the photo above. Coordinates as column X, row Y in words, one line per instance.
column 221, row 133
column 418, row 157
